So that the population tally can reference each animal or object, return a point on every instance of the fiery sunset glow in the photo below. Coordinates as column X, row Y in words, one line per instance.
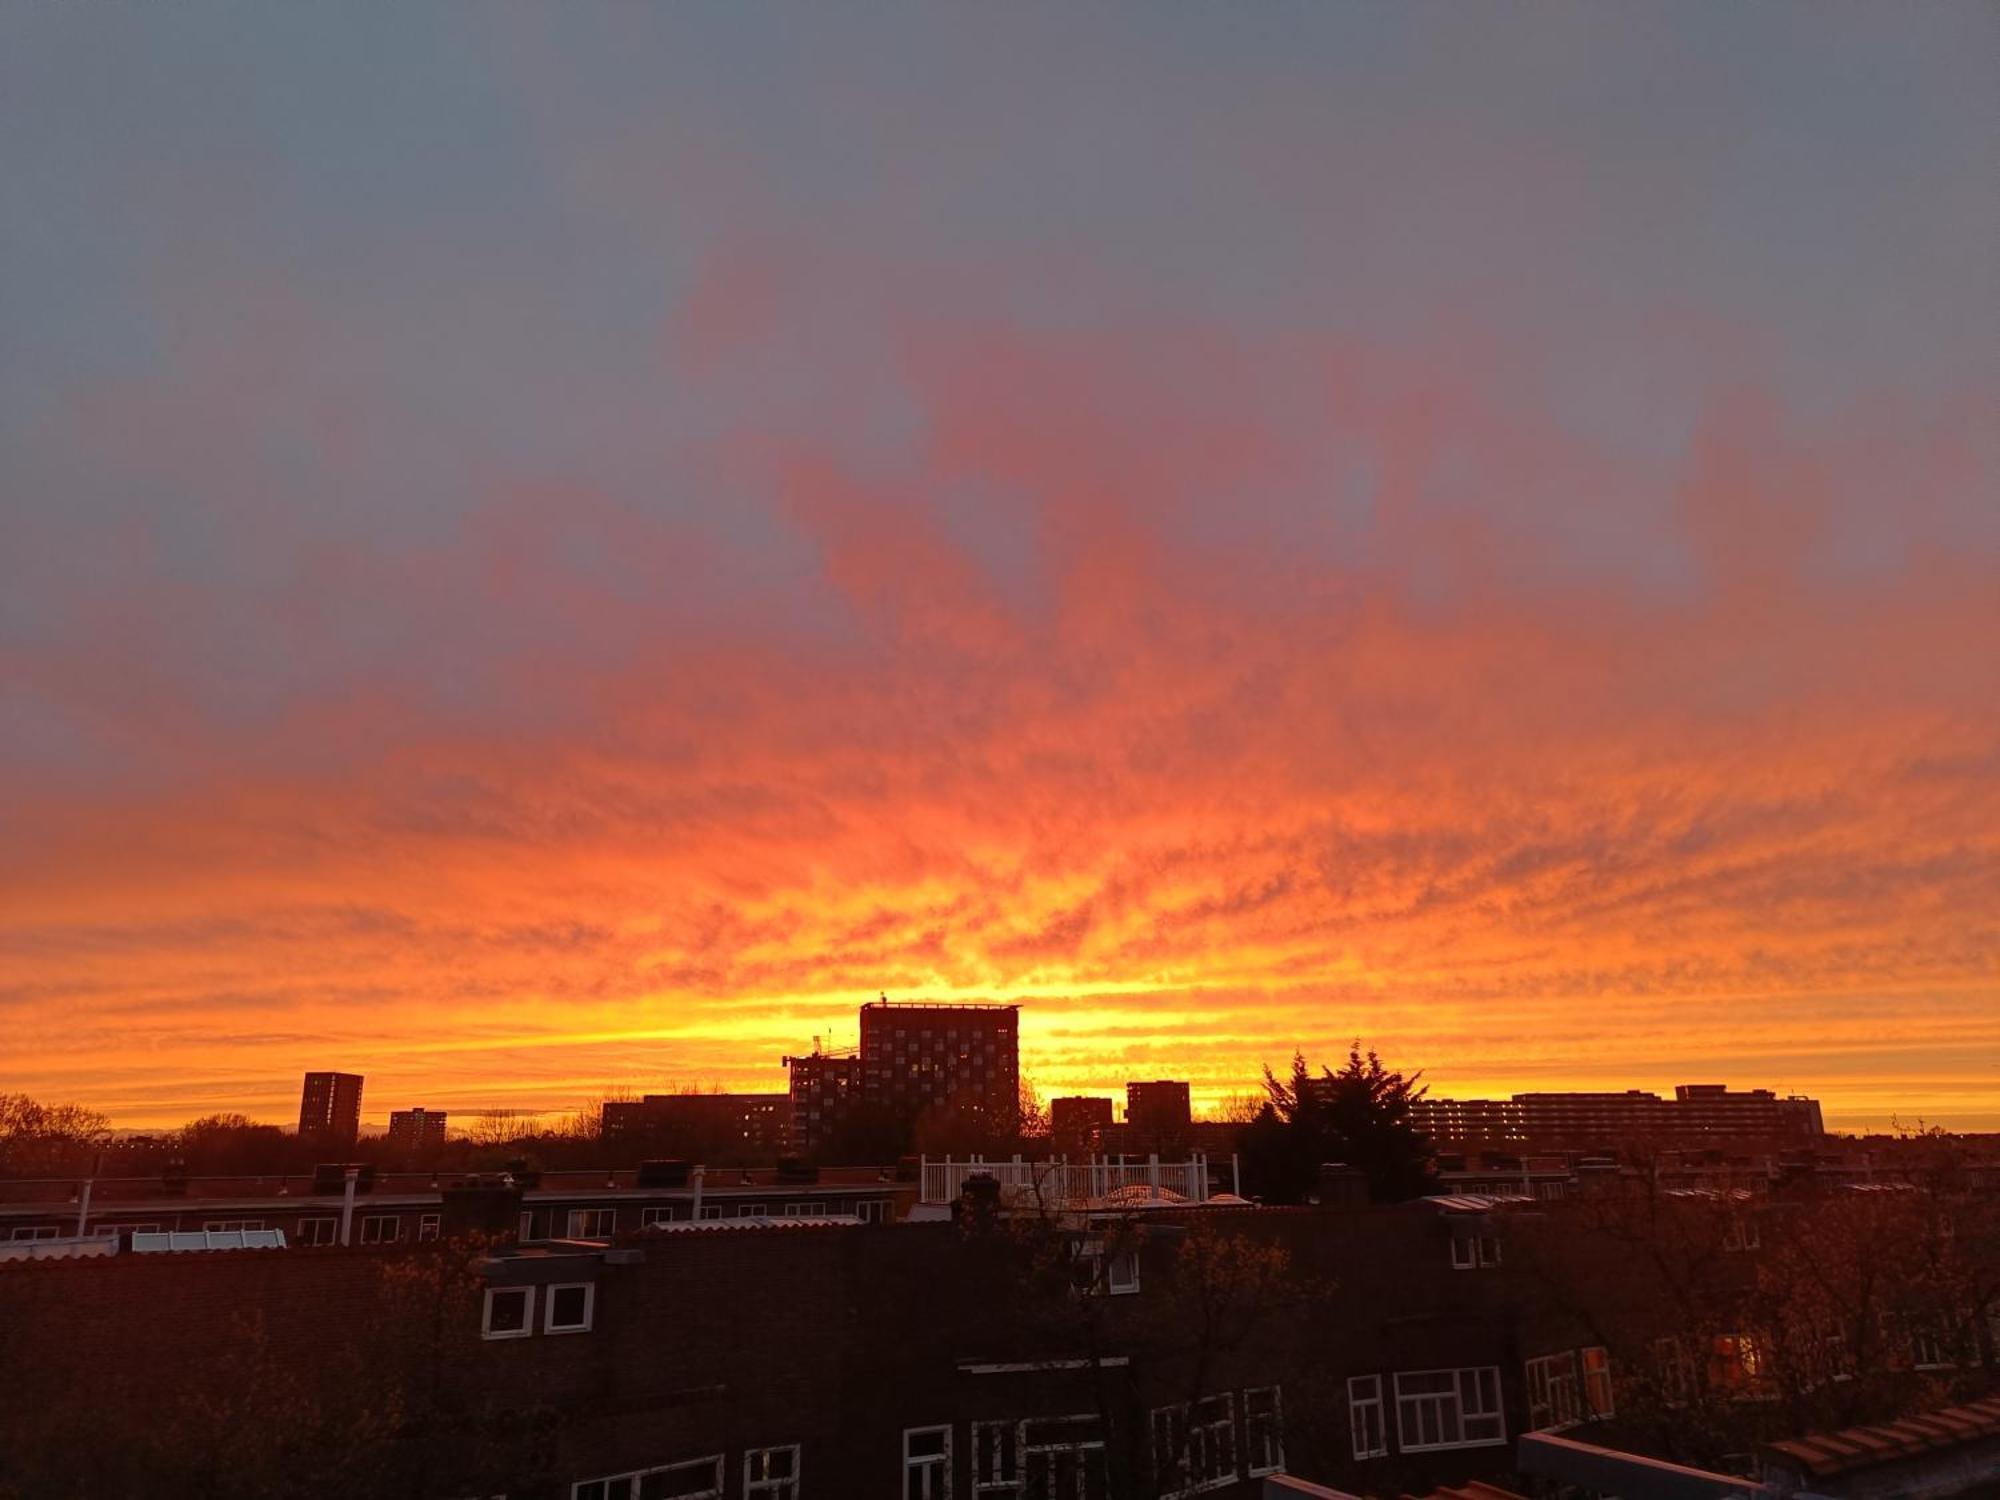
column 527, row 567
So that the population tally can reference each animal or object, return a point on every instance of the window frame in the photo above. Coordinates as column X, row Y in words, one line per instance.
column 1555, row 1391
column 429, row 1226
column 527, row 1328
column 549, row 1324
column 332, row 1230
column 1596, row 1378
column 1461, row 1414
column 712, row 1462
column 576, row 1216
column 786, row 1487
column 1356, row 1406
column 1207, row 1442
column 1006, row 1448
column 925, row 1467
column 395, row 1221
column 1481, row 1252
column 231, row 1226
column 1269, row 1432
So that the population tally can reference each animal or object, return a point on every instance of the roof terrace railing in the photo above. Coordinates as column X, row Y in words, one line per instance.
column 1098, row 1182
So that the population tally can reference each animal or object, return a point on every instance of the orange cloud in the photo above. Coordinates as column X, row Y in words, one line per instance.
column 1212, row 698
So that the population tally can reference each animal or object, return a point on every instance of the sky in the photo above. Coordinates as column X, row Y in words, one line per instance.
column 545, row 551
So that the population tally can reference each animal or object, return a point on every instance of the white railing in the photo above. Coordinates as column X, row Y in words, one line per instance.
column 1099, row 1181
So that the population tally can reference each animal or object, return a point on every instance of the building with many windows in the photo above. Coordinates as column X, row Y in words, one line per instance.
column 1697, row 1111
column 959, row 1057
column 825, row 1087
column 701, row 1127
column 330, row 1109
column 419, row 1129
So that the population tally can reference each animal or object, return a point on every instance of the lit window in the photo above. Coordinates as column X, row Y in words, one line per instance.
column 927, row 1463
column 772, row 1471
column 510, row 1312
column 1263, row 1431
column 697, row 1479
column 567, row 1307
column 381, row 1229
column 1597, row 1399
column 1365, row 1416
column 1449, row 1408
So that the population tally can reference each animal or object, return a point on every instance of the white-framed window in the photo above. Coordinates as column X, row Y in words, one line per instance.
column 1194, row 1445
column 527, row 1229
column 319, row 1230
column 996, row 1458
column 926, row 1463
column 772, row 1472
column 428, row 1226
column 37, row 1232
column 567, row 1307
column 1063, row 1456
column 215, row 1226
column 1121, row 1273
column 1474, row 1252
column 1449, row 1408
column 1597, row 1399
column 592, row 1223
column 872, row 1210
column 381, row 1229
column 648, row 1217
column 711, row 1210
column 1263, row 1431
column 1554, row 1397
column 694, row 1479
column 753, row 1210
column 1365, row 1417
column 509, row 1313
column 805, row 1210
column 153, row 1228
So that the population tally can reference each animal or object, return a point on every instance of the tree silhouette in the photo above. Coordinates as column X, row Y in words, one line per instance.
column 1359, row 1116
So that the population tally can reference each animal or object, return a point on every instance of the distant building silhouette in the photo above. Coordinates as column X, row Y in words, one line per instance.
column 918, row 1056
column 416, row 1129
column 1076, row 1122
column 714, row 1127
column 1697, row 1110
column 1158, row 1108
column 330, row 1109
column 825, row 1086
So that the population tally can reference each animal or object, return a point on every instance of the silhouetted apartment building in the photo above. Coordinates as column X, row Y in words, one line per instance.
column 825, row 1086
column 1585, row 1119
column 1079, row 1119
column 1159, row 1107
column 963, row 1057
column 330, row 1109
column 712, row 1127
column 416, row 1129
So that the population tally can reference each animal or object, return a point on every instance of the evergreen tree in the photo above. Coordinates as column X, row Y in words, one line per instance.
column 1359, row 1116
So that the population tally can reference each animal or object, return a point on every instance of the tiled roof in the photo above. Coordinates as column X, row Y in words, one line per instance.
column 1824, row 1453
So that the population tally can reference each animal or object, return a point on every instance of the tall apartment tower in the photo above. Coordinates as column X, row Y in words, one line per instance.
column 825, row 1087
column 1158, row 1107
column 330, row 1109
column 966, row 1057
column 416, row 1129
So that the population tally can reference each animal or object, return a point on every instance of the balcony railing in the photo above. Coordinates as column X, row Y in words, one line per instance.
column 1098, row 1182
